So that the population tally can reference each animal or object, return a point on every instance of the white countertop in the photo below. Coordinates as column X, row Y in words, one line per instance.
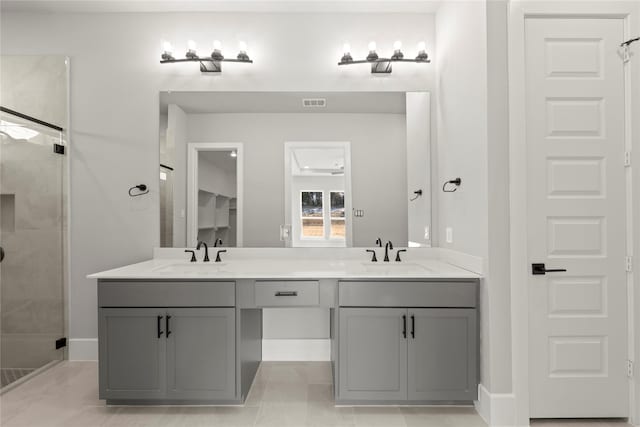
column 286, row 264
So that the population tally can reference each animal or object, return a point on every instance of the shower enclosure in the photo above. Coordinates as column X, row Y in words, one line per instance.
column 33, row 246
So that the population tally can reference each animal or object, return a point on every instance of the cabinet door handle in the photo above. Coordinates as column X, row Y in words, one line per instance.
column 287, row 293
column 413, row 326
column 167, row 326
column 158, row 325
column 404, row 325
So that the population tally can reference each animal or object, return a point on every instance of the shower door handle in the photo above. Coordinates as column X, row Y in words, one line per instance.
column 1, row 253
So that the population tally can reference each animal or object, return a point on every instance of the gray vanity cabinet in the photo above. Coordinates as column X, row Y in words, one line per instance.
column 442, row 344
column 407, row 341
column 373, row 354
column 200, row 353
column 132, row 357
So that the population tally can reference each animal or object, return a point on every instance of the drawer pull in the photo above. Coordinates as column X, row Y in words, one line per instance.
column 287, row 293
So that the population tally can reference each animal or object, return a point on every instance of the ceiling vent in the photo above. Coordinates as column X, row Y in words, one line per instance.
column 314, row 102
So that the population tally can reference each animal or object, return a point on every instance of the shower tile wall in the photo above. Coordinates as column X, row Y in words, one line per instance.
column 31, row 299
column 33, row 214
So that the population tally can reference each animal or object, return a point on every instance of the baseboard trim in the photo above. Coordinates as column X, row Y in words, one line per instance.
column 83, row 349
column 496, row 409
column 309, row 350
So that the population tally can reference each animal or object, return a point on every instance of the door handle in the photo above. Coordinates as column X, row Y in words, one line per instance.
column 159, row 327
column 404, row 325
column 539, row 269
column 287, row 294
column 167, row 326
column 413, row 326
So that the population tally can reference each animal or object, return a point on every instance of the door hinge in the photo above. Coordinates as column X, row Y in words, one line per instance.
column 629, row 263
column 58, row 148
column 630, row 368
column 627, row 158
column 61, row 342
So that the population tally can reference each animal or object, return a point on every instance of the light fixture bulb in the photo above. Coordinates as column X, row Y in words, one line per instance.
column 346, row 48
column 166, row 47
column 372, row 46
column 422, row 46
column 242, row 46
column 397, row 45
column 233, row 154
column 217, row 45
column 191, row 45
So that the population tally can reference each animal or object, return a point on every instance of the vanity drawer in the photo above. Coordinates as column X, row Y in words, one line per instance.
column 285, row 293
column 166, row 294
column 407, row 294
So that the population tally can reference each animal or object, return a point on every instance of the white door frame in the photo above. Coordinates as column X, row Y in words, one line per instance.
column 193, row 149
column 519, row 11
column 289, row 146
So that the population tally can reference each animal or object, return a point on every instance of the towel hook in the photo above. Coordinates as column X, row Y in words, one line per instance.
column 457, row 182
column 142, row 189
column 418, row 193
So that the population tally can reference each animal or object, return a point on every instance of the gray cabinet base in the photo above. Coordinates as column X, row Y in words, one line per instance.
column 364, row 402
column 151, row 402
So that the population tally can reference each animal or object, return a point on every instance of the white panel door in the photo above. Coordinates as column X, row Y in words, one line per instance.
column 576, row 217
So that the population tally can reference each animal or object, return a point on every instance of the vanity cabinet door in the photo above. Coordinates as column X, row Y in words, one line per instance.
column 132, row 353
column 373, row 354
column 201, row 353
column 443, row 353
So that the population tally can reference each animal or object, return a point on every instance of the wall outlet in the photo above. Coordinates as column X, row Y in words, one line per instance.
column 358, row 213
column 285, row 232
column 426, row 233
column 449, row 234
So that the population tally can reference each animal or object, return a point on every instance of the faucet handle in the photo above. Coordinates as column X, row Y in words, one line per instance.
column 373, row 256
column 218, row 259
column 193, row 254
column 398, row 254
column 379, row 242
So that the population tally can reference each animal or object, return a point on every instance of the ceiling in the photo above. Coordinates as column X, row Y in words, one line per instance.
column 313, row 160
column 220, row 159
column 284, row 102
column 266, row 6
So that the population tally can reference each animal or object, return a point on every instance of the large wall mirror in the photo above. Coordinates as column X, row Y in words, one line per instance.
column 288, row 169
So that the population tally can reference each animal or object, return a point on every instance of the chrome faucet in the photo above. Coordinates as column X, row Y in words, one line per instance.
column 388, row 246
column 206, row 250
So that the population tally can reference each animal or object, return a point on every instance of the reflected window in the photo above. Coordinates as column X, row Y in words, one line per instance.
column 312, row 214
column 337, row 215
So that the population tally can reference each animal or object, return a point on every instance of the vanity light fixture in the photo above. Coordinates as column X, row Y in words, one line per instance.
column 208, row 64
column 383, row 65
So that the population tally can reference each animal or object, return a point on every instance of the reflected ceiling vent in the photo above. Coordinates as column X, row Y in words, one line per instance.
column 314, row 102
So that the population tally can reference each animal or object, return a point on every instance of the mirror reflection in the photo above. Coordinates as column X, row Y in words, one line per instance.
column 290, row 169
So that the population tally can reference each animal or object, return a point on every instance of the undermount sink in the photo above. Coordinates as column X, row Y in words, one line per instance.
column 191, row 268
column 400, row 267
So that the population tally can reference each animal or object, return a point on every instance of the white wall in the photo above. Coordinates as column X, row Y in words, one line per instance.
column 378, row 167
column 473, row 145
column 177, row 155
column 419, row 167
column 115, row 83
column 214, row 179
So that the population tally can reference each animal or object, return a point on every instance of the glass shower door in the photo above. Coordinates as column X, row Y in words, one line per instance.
column 33, row 248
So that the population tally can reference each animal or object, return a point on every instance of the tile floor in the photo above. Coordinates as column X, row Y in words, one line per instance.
column 284, row 394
